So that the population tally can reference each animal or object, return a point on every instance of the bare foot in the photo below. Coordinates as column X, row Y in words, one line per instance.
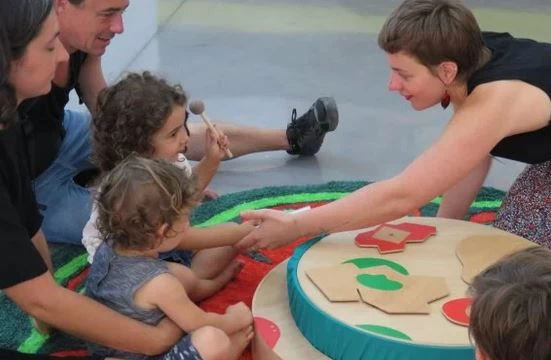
column 260, row 350
column 239, row 340
column 209, row 263
column 209, row 287
column 209, row 195
column 229, row 273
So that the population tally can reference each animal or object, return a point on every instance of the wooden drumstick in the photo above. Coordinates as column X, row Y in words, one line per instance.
column 198, row 108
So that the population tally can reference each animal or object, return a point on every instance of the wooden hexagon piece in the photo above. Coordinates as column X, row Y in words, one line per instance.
column 412, row 297
column 337, row 283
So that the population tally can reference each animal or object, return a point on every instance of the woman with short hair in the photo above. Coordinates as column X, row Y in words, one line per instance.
column 499, row 88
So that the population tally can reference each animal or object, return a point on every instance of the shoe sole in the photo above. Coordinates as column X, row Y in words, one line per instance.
column 331, row 112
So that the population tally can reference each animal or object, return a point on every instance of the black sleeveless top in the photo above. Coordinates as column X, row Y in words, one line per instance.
column 528, row 61
column 44, row 116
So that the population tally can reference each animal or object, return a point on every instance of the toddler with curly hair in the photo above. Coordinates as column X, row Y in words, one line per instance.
column 142, row 114
column 143, row 206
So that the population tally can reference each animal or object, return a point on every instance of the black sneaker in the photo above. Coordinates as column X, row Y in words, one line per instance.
column 305, row 134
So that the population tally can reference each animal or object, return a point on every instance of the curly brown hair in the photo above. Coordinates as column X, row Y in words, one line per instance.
column 512, row 307
column 140, row 195
column 128, row 114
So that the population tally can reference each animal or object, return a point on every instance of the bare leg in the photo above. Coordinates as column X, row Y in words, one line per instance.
column 303, row 136
column 243, row 139
column 215, row 344
column 199, row 289
column 239, row 341
column 210, row 342
column 208, row 287
column 208, row 263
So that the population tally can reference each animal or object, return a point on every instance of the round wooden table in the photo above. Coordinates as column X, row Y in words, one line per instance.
column 434, row 257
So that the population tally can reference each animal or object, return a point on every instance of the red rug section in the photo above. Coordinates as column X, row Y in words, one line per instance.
column 244, row 286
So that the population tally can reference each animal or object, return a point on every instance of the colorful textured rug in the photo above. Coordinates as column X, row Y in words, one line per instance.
column 70, row 261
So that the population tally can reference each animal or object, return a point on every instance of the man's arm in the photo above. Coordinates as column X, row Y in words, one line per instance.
column 91, row 81
column 80, row 316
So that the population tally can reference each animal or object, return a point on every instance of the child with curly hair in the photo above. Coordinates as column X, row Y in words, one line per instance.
column 143, row 205
column 511, row 310
column 143, row 114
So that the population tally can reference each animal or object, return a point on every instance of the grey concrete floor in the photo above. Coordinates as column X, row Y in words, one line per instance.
column 252, row 61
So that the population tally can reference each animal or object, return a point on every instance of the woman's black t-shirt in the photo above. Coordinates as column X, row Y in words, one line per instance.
column 19, row 216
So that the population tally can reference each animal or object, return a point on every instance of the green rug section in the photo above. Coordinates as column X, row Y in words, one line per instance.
column 228, row 207
column 71, row 260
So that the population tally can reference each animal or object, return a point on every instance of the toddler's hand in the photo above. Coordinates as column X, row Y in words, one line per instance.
column 209, row 195
column 216, row 144
column 251, row 224
column 240, row 314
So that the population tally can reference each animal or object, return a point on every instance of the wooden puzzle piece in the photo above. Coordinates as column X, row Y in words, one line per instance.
column 477, row 253
column 390, row 234
column 412, row 297
column 390, row 238
column 367, row 239
column 432, row 287
column 379, row 286
column 417, row 232
column 393, row 303
column 458, row 311
column 337, row 283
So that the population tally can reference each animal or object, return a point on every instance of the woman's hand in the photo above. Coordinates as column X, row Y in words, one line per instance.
column 274, row 229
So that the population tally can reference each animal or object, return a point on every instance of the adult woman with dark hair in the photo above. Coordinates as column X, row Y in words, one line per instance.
column 30, row 51
column 499, row 88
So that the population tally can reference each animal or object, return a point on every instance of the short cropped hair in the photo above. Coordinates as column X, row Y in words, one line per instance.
column 434, row 31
